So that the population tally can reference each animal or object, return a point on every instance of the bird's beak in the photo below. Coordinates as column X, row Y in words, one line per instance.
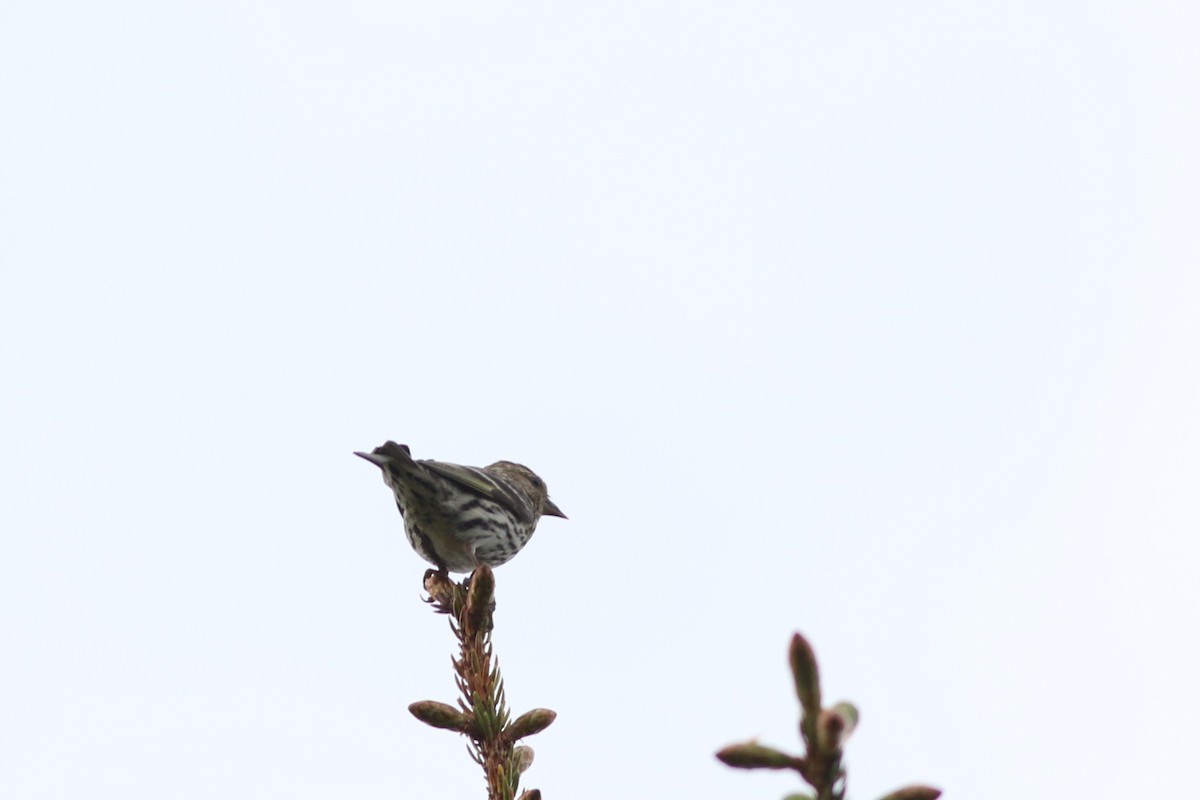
column 551, row 510
column 379, row 461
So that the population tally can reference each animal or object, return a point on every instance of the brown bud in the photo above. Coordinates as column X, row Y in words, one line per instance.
column 529, row 723
column 804, row 672
column 531, row 794
column 479, row 598
column 914, row 793
column 752, row 755
column 440, row 715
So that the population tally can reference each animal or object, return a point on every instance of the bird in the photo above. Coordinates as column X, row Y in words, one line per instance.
column 458, row 517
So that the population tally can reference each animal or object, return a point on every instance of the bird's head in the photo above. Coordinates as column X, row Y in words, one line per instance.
column 524, row 479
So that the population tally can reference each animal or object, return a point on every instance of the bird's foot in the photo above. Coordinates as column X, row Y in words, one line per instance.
column 442, row 591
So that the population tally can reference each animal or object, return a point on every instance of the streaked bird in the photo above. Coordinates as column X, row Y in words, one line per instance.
column 459, row 517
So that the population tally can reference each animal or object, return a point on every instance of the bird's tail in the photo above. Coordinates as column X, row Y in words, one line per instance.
column 399, row 452
column 389, row 453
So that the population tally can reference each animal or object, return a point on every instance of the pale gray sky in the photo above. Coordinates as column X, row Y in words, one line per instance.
column 875, row 321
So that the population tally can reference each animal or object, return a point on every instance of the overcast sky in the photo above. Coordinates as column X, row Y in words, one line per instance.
column 876, row 321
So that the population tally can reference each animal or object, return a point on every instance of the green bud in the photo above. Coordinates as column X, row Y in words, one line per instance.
column 440, row 715
column 529, row 723
column 830, row 727
column 522, row 758
column 915, row 792
column 752, row 755
column 849, row 715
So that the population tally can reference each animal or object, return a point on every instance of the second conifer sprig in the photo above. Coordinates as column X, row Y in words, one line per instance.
column 823, row 730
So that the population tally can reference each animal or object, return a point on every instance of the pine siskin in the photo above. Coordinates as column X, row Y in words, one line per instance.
column 460, row 517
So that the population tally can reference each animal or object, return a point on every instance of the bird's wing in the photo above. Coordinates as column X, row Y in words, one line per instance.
column 487, row 485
